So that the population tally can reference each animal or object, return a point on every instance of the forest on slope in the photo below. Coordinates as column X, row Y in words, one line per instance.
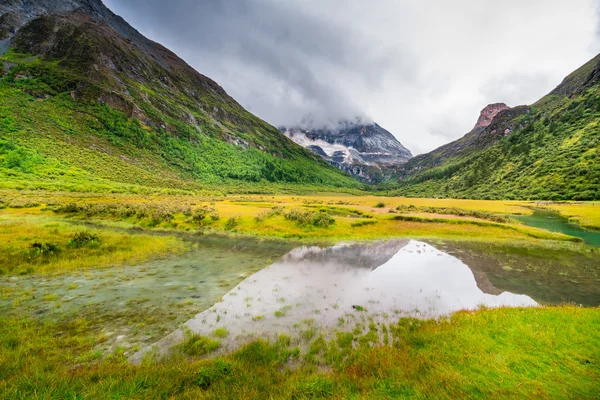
column 547, row 151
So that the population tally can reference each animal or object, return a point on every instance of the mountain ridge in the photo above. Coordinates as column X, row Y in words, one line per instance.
column 363, row 149
column 131, row 106
column 546, row 151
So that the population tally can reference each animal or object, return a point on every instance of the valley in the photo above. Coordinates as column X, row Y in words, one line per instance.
column 158, row 240
column 148, row 264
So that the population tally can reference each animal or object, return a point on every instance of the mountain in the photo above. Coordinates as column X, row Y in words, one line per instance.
column 364, row 150
column 548, row 151
column 88, row 103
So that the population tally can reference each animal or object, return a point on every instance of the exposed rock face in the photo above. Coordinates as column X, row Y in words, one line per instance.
column 489, row 113
column 17, row 13
column 366, row 151
column 495, row 121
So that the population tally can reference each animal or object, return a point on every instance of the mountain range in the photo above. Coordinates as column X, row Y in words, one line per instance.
column 87, row 103
column 548, row 150
column 364, row 150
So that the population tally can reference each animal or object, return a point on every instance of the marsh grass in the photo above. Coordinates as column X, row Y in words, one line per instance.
column 547, row 353
column 287, row 217
column 45, row 245
column 539, row 234
column 485, row 215
column 196, row 345
column 585, row 214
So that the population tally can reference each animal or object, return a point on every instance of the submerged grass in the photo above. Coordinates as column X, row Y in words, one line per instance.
column 43, row 244
column 537, row 353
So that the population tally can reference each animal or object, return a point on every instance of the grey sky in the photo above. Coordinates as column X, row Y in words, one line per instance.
column 423, row 70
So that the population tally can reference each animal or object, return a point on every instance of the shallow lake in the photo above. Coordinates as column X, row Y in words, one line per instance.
column 253, row 287
column 358, row 284
column 142, row 303
column 553, row 221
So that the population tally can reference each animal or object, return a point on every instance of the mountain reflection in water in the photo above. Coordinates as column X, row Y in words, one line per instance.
column 382, row 280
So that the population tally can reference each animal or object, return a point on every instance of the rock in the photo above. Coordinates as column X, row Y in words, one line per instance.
column 488, row 114
column 364, row 150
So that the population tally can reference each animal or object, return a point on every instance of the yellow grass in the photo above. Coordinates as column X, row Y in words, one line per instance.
column 367, row 202
column 367, row 217
column 585, row 214
column 19, row 231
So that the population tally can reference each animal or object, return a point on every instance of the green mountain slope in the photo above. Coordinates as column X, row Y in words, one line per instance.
column 88, row 103
column 549, row 151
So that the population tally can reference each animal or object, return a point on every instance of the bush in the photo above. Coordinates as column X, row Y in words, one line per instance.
column 268, row 214
column 380, row 205
column 159, row 214
column 232, row 223
column 304, row 218
column 199, row 215
column 84, row 239
column 322, row 220
column 196, row 345
column 44, row 249
column 70, row 208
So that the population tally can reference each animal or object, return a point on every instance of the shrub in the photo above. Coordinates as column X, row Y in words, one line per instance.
column 380, row 205
column 84, row 239
column 268, row 214
column 302, row 218
column 232, row 223
column 322, row 220
column 43, row 249
column 159, row 214
column 199, row 215
column 70, row 208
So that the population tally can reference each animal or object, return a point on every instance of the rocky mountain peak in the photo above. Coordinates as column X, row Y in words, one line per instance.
column 488, row 114
column 15, row 14
column 363, row 149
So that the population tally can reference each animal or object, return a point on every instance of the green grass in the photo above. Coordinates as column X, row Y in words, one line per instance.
column 42, row 244
column 50, row 141
column 539, row 353
column 195, row 345
column 553, row 154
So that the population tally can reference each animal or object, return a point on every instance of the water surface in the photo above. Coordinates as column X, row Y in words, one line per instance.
column 142, row 303
column 254, row 287
column 354, row 285
column 553, row 221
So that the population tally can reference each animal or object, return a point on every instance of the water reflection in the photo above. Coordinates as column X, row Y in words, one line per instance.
column 379, row 281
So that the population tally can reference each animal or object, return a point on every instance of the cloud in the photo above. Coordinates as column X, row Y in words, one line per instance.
column 423, row 70
column 518, row 87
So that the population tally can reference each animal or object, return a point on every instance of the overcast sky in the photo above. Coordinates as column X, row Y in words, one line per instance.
column 421, row 69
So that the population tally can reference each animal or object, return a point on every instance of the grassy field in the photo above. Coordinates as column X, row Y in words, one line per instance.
column 585, row 214
column 540, row 353
column 41, row 244
column 324, row 217
column 546, row 352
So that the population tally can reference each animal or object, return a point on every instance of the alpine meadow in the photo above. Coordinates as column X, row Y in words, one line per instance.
column 158, row 240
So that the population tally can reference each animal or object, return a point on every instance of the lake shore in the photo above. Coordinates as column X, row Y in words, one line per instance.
column 502, row 353
column 81, row 246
